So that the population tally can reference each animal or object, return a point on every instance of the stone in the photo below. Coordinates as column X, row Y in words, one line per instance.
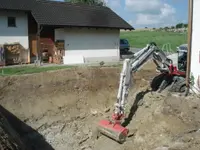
column 162, row 148
column 107, row 110
column 93, row 112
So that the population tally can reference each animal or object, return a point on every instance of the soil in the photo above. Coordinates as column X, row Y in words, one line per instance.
column 60, row 109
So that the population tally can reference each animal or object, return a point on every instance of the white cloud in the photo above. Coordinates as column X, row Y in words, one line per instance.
column 144, row 6
column 151, row 12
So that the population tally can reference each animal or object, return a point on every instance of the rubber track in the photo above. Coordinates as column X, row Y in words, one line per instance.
column 178, row 84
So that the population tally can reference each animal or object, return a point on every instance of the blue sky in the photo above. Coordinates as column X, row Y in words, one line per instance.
column 150, row 13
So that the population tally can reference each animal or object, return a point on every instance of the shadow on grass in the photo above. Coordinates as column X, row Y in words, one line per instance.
column 25, row 136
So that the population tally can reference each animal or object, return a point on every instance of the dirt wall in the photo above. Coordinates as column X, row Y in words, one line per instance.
column 54, row 98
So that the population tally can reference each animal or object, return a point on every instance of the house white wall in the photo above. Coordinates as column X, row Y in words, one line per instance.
column 195, row 55
column 89, row 45
column 14, row 34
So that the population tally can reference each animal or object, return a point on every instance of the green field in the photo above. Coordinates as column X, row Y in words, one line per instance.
column 139, row 39
column 28, row 69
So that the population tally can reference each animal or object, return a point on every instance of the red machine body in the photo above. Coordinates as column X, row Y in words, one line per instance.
column 174, row 71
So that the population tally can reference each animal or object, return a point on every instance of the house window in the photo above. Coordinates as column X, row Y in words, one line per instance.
column 11, row 22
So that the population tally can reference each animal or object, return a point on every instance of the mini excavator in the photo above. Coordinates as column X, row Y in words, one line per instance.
column 169, row 74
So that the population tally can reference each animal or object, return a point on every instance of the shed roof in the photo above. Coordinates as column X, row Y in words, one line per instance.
column 68, row 14
column 54, row 13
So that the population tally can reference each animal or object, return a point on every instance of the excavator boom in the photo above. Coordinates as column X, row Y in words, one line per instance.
column 113, row 128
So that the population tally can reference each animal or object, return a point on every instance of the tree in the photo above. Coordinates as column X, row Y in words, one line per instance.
column 89, row 2
column 180, row 25
column 172, row 27
column 185, row 25
column 166, row 28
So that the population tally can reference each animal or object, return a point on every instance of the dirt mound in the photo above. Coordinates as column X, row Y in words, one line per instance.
column 59, row 110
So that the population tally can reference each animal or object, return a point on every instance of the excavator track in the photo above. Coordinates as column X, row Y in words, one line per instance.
column 179, row 85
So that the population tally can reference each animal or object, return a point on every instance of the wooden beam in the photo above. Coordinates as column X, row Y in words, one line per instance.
column 29, row 56
column 190, row 24
column 39, row 53
column 38, row 43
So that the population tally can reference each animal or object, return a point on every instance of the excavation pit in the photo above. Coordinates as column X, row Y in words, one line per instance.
column 59, row 109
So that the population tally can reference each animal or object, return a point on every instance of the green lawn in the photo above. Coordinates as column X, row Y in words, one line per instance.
column 139, row 39
column 28, row 70
column 20, row 70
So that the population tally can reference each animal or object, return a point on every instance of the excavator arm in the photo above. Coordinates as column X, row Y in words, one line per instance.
column 131, row 66
column 113, row 128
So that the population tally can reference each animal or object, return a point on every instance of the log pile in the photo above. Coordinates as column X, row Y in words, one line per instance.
column 15, row 53
column 59, row 51
column 58, row 57
column 2, row 56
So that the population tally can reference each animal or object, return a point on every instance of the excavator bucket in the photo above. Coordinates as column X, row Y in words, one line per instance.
column 112, row 130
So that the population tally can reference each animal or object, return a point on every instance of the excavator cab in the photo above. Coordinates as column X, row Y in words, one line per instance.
column 182, row 57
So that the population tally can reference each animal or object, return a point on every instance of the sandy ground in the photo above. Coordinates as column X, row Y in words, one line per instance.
column 60, row 109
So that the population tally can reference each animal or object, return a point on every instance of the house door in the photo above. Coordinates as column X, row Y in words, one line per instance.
column 34, row 48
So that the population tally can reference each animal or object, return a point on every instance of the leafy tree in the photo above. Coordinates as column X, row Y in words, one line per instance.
column 172, row 27
column 166, row 28
column 89, row 2
column 179, row 25
column 185, row 25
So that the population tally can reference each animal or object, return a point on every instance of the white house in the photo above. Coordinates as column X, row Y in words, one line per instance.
column 195, row 46
column 89, row 33
column 14, row 27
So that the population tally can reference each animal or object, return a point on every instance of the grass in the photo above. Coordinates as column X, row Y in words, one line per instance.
column 21, row 70
column 28, row 70
column 139, row 39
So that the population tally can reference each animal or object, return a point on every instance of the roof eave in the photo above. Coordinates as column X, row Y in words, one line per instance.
column 22, row 10
column 77, row 26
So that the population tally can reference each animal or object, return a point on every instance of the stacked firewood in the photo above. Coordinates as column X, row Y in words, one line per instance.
column 15, row 53
column 58, row 56
column 58, row 52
